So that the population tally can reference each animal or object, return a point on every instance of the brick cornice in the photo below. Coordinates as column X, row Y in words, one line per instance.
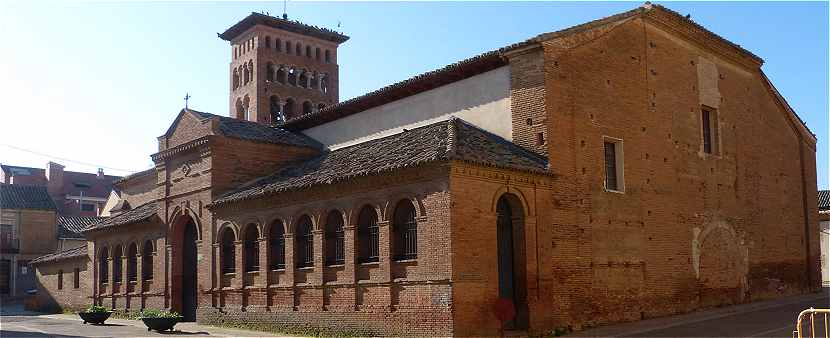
column 167, row 153
column 490, row 173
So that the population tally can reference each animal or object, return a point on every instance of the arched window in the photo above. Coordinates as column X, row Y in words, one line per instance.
column 308, row 51
column 116, row 264
column 288, row 47
column 405, row 231
column 278, row 45
column 269, row 72
column 305, row 243
column 328, row 56
column 132, row 263
column 267, row 42
column 303, row 80
column 246, row 104
column 103, row 267
column 251, row 70
column 290, row 109
column 251, row 246
column 276, row 114
column 315, row 81
column 240, row 109
column 292, row 76
column 228, row 251
column 307, row 107
column 246, row 77
column 321, row 106
column 299, row 49
column 368, row 235
column 317, row 54
column 335, row 246
column 324, row 84
column 235, row 79
column 282, row 75
column 147, row 261
column 276, row 242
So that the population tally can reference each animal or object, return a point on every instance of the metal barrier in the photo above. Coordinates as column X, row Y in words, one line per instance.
column 811, row 315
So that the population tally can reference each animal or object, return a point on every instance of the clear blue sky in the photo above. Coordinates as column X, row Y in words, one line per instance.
column 97, row 82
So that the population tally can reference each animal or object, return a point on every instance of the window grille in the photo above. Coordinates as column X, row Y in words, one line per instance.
column 368, row 236
column 335, row 239
column 305, row 243
column 277, row 242
column 406, row 231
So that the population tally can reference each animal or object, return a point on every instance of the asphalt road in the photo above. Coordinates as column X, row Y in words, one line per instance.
column 762, row 319
column 30, row 325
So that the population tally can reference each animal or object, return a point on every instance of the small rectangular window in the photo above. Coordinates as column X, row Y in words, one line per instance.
column 709, row 127
column 76, row 278
column 60, row 279
column 613, row 165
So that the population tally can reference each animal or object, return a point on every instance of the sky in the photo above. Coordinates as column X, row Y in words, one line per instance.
column 93, row 84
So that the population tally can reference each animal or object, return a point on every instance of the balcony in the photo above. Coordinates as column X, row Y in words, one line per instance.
column 10, row 245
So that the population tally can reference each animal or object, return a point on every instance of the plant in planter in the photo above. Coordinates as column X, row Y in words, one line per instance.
column 159, row 320
column 95, row 314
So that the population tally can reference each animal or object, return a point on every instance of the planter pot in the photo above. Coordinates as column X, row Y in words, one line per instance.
column 161, row 324
column 94, row 317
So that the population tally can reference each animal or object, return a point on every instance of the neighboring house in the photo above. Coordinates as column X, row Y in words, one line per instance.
column 585, row 176
column 27, row 231
column 74, row 193
column 824, row 227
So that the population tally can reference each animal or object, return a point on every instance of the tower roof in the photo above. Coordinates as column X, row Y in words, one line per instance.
column 284, row 24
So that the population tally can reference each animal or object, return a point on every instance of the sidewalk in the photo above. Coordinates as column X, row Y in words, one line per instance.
column 657, row 324
column 189, row 328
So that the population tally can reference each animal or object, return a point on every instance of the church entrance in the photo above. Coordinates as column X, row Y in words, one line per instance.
column 185, row 278
column 511, row 259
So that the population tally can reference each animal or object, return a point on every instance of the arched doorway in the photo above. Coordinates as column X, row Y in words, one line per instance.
column 511, row 258
column 185, row 277
column 721, row 269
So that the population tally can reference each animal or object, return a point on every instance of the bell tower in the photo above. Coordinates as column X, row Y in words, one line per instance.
column 281, row 69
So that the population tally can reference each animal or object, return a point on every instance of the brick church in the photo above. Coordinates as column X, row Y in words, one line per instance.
column 631, row 167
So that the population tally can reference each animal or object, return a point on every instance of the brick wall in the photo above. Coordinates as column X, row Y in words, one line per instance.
column 711, row 229
column 527, row 100
column 128, row 295
column 37, row 233
column 52, row 299
column 381, row 298
column 237, row 161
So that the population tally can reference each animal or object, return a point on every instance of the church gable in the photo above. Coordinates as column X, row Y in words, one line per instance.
column 188, row 126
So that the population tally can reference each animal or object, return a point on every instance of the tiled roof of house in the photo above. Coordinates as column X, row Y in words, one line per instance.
column 72, row 226
column 252, row 131
column 453, row 139
column 284, row 24
column 78, row 252
column 16, row 196
column 141, row 213
column 18, row 170
column 824, row 200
